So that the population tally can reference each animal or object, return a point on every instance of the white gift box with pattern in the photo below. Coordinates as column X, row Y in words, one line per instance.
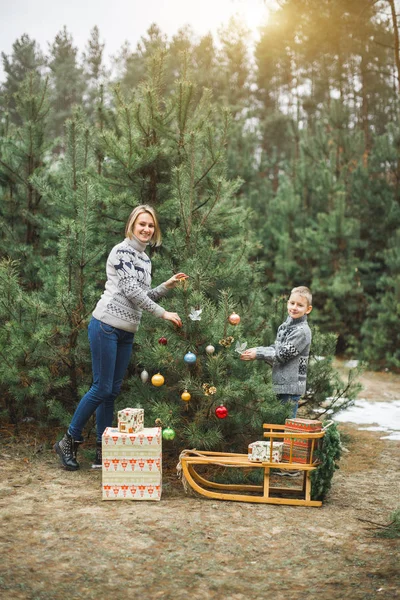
column 131, row 464
column 261, row 451
column 130, row 420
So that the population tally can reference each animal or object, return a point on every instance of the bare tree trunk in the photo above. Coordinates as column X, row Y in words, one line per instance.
column 396, row 41
column 364, row 111
column 397, row 61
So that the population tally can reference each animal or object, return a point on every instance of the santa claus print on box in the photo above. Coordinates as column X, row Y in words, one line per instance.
column 132, row 464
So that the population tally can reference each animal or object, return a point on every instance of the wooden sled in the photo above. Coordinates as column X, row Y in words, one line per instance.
column 271, row 491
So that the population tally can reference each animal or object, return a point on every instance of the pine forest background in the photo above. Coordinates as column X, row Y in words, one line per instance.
column 270, row 167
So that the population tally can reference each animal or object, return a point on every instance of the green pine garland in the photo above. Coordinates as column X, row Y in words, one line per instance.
column 328, row 454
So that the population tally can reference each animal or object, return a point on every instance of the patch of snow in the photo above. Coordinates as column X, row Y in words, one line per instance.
column 352, row 364
column 372, row 428
column 395, row 435
column 378, row 416
column 329, row 401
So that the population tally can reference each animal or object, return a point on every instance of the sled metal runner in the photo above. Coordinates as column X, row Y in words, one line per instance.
column 269, row 492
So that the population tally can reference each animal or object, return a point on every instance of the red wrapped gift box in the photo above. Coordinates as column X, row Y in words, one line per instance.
column 301, row 447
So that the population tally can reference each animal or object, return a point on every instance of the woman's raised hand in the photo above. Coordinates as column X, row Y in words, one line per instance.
column 173, row 317
column 174, row 280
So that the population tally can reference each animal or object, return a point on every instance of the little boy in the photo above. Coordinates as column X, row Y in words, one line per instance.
column 288, row 356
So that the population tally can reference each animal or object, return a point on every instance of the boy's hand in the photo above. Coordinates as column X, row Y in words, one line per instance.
column 249, row 354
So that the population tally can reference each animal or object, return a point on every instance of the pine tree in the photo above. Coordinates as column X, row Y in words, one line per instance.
column 94, row 71
column 26, row 59
column 204, row 57
column 24, row 151
column 170, row 152
column 66, row 79
column 380, row 329
column 233, row 68
column 71, row 273
column 24, row 375
column 133, row 65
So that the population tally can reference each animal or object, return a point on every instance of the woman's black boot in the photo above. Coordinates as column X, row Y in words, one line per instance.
column 98, row 462
column 67, row 449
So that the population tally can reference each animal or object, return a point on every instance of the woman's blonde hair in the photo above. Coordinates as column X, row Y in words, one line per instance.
column 144, row 208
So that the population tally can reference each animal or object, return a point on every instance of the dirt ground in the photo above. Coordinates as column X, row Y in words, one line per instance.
column 59, row 540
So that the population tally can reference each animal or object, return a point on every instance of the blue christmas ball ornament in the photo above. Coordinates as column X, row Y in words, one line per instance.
column 190, row 358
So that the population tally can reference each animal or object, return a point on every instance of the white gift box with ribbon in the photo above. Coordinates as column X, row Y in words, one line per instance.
column 130, row 420
column 261, row 452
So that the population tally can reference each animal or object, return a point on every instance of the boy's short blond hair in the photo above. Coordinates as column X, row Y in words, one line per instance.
column 304, row 291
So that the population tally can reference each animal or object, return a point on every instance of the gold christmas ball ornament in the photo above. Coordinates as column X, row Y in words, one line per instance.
column 186, row 396
column 157, row 380
column 234, row 319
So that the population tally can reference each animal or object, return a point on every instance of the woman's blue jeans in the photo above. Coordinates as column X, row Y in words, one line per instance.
column 111, row 350
column 294, row 401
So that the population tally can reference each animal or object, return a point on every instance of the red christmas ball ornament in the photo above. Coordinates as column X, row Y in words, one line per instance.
column 234, row 319
column 221, row 412
column 163, row 341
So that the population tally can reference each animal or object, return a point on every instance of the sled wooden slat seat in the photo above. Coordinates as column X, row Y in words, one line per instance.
column 267, row 493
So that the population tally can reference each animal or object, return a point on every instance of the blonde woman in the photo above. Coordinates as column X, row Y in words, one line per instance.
column 112, row 327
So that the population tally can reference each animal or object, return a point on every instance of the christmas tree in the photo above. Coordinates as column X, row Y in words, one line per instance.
column 170, row 150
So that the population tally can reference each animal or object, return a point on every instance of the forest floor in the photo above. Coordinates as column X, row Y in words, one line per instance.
column 59, row 540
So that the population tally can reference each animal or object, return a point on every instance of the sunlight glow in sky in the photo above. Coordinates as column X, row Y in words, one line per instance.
column 120, row 20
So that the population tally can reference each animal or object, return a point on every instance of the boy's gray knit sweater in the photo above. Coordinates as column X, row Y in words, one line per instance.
column 128, row 288
column 288, row 356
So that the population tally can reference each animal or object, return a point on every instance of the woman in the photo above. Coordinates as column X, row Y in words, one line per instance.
column 112, row 327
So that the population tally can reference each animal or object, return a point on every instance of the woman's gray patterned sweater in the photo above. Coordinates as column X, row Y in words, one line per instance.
column 128, row 288
column 288, row 356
